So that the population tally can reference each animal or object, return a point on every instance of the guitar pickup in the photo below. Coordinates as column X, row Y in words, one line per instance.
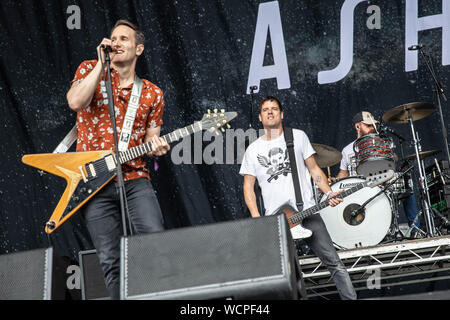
column 110, row 161
column 92, row 172
column 89, row 172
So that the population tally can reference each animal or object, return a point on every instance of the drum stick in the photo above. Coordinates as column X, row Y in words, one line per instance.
column 373, row 123
column 329, row 174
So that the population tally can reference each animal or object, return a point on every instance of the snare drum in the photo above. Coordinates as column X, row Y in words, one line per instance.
column 374, row 154
column 349, row 230
column 402, row 187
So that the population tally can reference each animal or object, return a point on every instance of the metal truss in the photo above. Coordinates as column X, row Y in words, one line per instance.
column 400, row 263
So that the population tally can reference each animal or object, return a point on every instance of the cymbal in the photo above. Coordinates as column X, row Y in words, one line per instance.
column 422, row 155
column 400, row 114
column 326, row 156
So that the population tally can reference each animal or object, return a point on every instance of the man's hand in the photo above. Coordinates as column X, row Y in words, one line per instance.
column 101, row 54
column 335, row 201
column 159, row 146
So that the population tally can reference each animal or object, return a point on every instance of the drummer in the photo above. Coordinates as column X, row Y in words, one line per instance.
column 364, row 123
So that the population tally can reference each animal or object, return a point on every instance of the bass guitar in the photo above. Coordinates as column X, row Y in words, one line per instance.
column 295, row 218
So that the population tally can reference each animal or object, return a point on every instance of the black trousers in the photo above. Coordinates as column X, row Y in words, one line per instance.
column 321, row 244
column 104, row 222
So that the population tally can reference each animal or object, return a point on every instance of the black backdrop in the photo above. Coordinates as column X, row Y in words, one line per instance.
column 198, row 52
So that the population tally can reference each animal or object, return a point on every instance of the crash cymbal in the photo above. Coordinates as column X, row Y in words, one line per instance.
column 326, row 156
column 422, row 155
column 400, row 114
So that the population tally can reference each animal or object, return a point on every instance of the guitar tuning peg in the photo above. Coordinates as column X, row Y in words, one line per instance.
column 215, row 110
column 209, row 114
column 222, row 129
column 228, row 126
column 222, row 110
column 217, row 133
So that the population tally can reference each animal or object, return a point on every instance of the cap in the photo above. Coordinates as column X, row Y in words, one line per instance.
column 364, row 117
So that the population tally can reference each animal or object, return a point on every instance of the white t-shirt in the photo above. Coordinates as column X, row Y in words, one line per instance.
column 268, row 161
column 348, row 156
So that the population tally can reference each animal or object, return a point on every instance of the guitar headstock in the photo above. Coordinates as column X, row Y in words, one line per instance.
column 212, row 121
column 373, row 181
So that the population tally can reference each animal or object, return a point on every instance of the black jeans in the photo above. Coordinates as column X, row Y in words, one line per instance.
column 104, row 222
column 321, row 244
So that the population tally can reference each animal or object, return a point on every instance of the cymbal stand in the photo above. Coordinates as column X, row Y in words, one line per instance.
column 424, row 194
column 395, row 228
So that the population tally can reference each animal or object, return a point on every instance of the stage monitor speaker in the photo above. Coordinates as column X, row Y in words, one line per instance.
column 32, row 275
column 242, row 259
column 93, row 285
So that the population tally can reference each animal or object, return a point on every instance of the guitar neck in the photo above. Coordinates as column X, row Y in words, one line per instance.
column 310, row 211
column 147, row 147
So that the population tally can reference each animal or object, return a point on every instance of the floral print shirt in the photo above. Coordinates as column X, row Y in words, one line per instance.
column 95, row 131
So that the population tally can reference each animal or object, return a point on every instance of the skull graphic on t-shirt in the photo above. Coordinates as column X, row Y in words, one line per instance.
column 277, row 163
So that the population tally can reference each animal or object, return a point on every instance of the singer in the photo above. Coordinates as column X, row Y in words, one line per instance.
column 88, row 98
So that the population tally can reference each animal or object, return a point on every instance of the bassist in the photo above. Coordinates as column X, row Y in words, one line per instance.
column 267, row 160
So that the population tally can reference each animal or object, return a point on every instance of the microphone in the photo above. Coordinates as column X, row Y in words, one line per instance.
column 384, row 127
column 416, row 47
column 106, row 48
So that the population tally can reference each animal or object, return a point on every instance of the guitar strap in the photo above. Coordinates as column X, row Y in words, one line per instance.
column 125, row 135
column 289, row 138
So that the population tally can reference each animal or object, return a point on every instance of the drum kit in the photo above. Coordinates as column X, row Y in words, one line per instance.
column 374, row 153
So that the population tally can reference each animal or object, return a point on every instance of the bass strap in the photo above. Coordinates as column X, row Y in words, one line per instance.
column 125, row 134
column 289, row 138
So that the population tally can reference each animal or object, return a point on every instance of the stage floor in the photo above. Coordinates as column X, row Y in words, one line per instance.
column 390, row 269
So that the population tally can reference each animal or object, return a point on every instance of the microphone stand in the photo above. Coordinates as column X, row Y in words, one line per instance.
column 120, row 182
column 247, row 143
column 385, row 187
column 439, row 93
column 252, row 93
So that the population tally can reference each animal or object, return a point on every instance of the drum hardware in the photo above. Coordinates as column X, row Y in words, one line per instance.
column 439, row 93
column 395, row 229
column 414, row 110
column 439, row 190
column 325, row 157
column 374, row 154
column 365, row 229
column 423, row 187
column 422, row 155
column 408, row 113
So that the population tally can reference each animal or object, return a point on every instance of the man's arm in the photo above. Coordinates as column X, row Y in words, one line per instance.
column 159, row 146
column 321, row 180
column 250, row 196
column 80, row 94
column 342, row 174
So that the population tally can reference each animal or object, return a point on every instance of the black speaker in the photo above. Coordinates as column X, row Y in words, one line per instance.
column 92, row 281
column 243, row 259
column 32, row 275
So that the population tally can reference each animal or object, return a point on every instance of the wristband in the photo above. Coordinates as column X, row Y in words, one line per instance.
column 328, row 194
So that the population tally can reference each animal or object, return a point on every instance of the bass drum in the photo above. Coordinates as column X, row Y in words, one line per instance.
column 349, row 228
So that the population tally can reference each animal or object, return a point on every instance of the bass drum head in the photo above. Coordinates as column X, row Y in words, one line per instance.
column 349, row 230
